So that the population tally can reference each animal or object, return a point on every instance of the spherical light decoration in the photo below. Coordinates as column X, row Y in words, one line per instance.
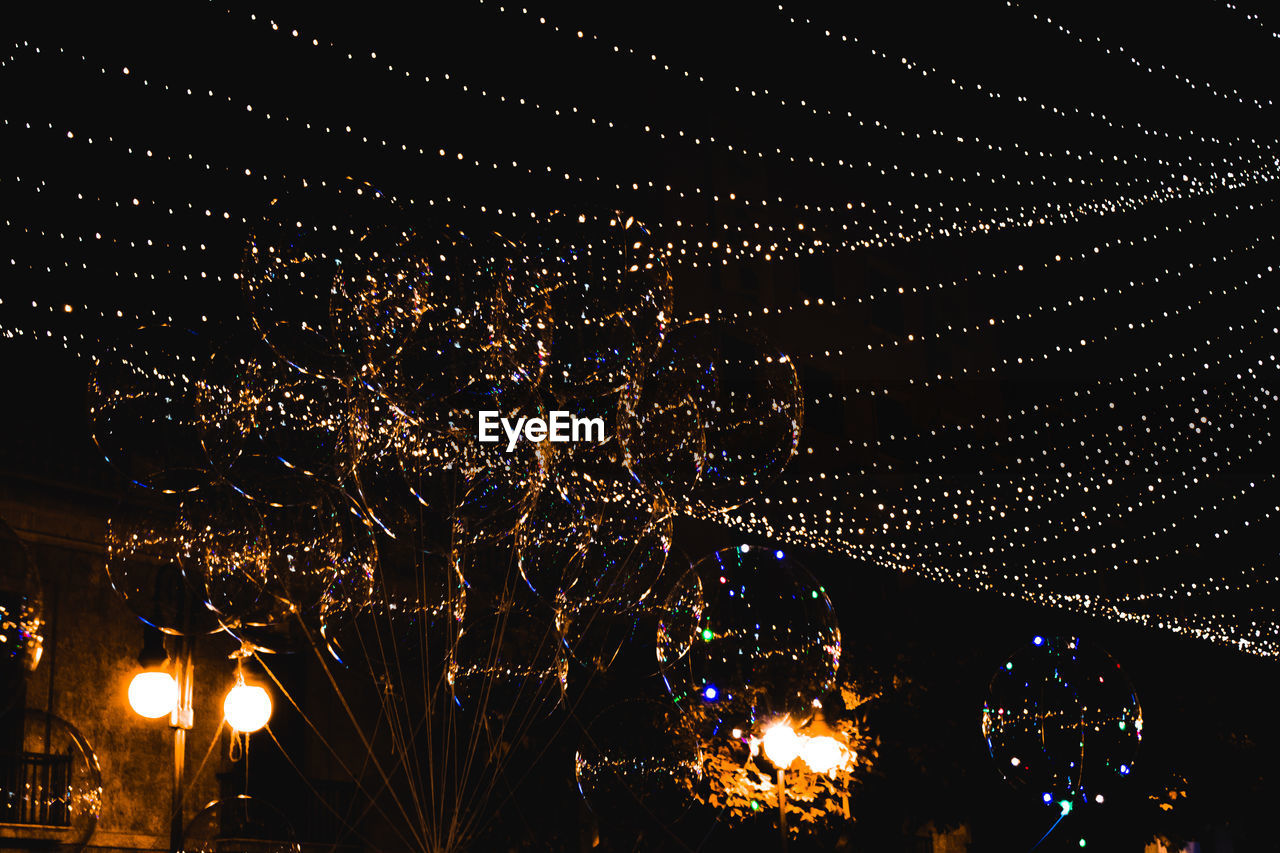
column 144, row 545
column 1062, row 720
column 142, row 408
column 21, row 603
column 247, row 707
column 72, row 797
column 638, row 762
column 153, row 694
column 241, row 824
column 759, row 639
column 717, row 418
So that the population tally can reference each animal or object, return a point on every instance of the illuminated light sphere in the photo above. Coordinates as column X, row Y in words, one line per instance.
column 247, row 707
column 824, row 754
column 1064, row 705
column 21, row 603
column 153, row 694
column 638, row 765
column 206, row 834
column 781, row 744
column 757, row 627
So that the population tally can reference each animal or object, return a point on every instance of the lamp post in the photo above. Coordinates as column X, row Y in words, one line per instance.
column 180, row 722
column 782, row 747
column 165, row 686
column 157, row 691
column 816, row 749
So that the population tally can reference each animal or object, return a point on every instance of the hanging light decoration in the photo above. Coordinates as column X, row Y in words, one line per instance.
column 247, row 707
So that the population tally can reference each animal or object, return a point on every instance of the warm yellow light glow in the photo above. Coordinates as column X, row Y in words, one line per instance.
column 781, row 744
column 247, row 707
column 824, row 754
column 153, row 694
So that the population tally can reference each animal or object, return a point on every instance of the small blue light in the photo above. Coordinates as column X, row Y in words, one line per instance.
column 710, row 692
column 1039, row 641
column 1048, row 798
column 778, row 554
column 1124, row 769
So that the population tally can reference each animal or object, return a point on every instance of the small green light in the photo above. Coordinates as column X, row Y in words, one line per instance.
column 755, row 806
column 814, row 593
column 707, row 634
column 1122, row 726
column 1082, row 842
column 1009, row 665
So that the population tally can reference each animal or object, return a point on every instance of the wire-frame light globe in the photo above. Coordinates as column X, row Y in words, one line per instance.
column 153, row 694
column 247, row 707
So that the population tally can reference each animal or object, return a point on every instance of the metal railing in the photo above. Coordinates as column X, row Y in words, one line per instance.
column 35, row 789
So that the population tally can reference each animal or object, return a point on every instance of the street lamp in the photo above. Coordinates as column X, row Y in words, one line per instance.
column 782, row 747
column 155, row 692
column 821, row 753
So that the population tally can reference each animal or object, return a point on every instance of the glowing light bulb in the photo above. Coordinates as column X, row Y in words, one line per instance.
column 823, row 754
column 153, row 694
column 247, row 707
column 781, row 744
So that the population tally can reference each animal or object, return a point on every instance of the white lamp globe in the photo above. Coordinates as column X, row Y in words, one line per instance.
column 247, row 707
column 153, row 694
column 781, row 745
column 825, row 754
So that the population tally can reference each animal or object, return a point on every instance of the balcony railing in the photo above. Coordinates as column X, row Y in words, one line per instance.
column 35, row 789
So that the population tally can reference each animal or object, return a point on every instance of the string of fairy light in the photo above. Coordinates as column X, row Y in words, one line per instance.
column 225, row 215
column 803, row 103
column 1252, row 17
column 586, row 114
column 1148, row 67
column 1064, row 112
column 1029, row 489
column 981, row 448
column 206, row 212
column 777, row 309
column 1006, row 362
column 1002, row 478
column 675, row 256
column 1023, row 216
column 1016, row 533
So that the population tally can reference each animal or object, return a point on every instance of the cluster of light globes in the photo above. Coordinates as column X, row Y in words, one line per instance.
column 153, row 694
column 1062, row 721
column 748, row 646
column 322, row 461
